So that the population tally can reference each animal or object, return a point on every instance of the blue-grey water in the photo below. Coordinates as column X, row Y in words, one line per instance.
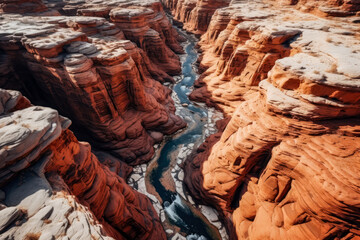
column 178, row 211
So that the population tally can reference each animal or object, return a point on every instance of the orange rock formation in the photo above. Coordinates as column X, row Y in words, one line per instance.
column 286, row 166
column 194, row 14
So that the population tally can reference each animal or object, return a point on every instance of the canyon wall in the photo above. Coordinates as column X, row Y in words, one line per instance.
column 53, row 187
column 103, row 65
column 105, row 73
column 195, row 15
column 286, row 166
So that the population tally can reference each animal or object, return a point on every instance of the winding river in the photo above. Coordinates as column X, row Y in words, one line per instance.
column 179, row 211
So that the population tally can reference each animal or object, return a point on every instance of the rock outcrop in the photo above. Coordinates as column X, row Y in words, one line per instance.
column 88, row 69
column 102, row 64
column 53, row 187
column 335, row 8
column 286, row 165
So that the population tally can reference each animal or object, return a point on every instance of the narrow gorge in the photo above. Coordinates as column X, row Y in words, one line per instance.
column 179, row 119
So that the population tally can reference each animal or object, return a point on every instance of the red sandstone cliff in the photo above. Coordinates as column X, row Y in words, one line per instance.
column 286, row 166
column 194, row 14
column 104, row 68
column 88, row 69
column 53, row 187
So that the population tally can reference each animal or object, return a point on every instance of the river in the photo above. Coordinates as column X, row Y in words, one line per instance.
column 162, row 179
column 179, row 211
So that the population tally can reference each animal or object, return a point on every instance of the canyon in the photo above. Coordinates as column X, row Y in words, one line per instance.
column 179, row 119
column 123, row 109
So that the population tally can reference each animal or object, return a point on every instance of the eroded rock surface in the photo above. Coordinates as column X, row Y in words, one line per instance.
column 334, row 8
column 195, row 15
column 286, row 166
column 286, row 74
column 53, row 187
column 105, row 75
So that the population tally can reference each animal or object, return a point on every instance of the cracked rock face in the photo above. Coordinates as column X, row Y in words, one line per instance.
column 104, row 74
column 53, row 187
column 286, row 164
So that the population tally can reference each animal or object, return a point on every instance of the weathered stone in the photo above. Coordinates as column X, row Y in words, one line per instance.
column 56, row 176
column 8, row 216
column 107, row 85
column 289, row 81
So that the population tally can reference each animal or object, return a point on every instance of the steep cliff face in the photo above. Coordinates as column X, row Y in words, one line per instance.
column 277, row 177
column 24, row 6
column 194, row 14
column 285, row 166
column 88, row 69
column 53, row 187
column 103, row 68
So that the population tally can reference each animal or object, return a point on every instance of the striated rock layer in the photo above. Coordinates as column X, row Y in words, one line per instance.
column 88, row 69
column 286, row 166
column 335, row 8
column 195, row 15
column 53, row 187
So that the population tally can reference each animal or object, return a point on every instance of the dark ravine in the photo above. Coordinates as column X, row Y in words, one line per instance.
column 179, row 211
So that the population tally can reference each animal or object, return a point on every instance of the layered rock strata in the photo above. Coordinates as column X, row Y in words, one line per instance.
column 53, row 187
column 333, row 8
column 286, row 165
column 25, row 6
column 86, row 68
column 143, row 22
column 195, row 15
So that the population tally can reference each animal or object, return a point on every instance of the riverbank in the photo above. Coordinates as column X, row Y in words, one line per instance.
column 201, row 123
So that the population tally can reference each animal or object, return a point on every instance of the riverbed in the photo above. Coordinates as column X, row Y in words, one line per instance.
column 161, row 179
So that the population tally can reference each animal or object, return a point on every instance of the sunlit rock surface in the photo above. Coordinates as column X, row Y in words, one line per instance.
column 53, row 187
column 286, row 165
column 333, row 8
column 106, row 76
